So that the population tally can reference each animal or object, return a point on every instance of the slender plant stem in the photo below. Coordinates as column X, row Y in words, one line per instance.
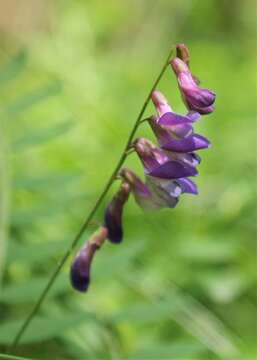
column 75, row 241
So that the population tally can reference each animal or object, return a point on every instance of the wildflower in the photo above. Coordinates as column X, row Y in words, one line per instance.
column 150, row 195
column 113, row 213
column 179, row 125
column 80, row 269
column 195, row 98
column 158, row 164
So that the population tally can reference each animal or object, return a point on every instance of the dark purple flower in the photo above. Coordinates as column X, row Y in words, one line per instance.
column 80, row 268
column 195, row 98
column 158, row 164
column 113, row 213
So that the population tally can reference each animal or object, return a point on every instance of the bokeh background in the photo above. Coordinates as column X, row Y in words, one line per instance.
column 73, row 76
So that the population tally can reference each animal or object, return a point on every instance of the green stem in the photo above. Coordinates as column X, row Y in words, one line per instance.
column 92, row 212
column 4, row 195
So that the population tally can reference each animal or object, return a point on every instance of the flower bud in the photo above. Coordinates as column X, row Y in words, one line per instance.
column 80, row 268
column 195, row 98
column 113, row 213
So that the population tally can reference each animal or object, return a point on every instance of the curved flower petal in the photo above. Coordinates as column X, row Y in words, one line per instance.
column 179, row 125
column 191, row 143
column 172, row 170
column 191, row 159
column 187, row 186
column 165, row 193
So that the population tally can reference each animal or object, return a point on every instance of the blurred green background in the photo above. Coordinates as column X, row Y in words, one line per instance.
column 73, row 76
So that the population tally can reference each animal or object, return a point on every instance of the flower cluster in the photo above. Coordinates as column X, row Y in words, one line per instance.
column 168, row 166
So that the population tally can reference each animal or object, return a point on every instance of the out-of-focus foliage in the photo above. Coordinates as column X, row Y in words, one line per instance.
column 182, row 284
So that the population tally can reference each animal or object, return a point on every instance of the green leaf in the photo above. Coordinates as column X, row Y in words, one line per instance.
column 31, row 289
column 40, row 137
column 34, row 98
column 42, row 329
column 13, row 67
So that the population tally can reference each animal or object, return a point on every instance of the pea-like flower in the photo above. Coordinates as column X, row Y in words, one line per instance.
column 114, row 211
column 178, row 125
column 157, row 163
column 195, row 98
column 81, row 266
column 151, row 195
column 171, row 139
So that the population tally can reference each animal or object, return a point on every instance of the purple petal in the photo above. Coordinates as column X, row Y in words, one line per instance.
column 80, row 269
column 163, row 192
column 199, row 97
column 189, row 144
column 191, row 159
column 171, row 118
column 173, row 170
column 178, row 124
column 188, row 186
column 193, row 116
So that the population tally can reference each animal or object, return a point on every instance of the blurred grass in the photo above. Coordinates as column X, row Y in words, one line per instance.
column 69, row 96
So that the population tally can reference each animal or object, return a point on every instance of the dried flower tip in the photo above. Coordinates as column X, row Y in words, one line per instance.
column 113, row 213
column 80, row 268
column 183, row 53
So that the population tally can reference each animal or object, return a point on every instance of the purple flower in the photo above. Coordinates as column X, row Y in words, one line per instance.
column 113, row 213
column 154, row 194
column 169, row 139
column 80, row 268
column 177, row 125
column 195, row 98
column 158, row 164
